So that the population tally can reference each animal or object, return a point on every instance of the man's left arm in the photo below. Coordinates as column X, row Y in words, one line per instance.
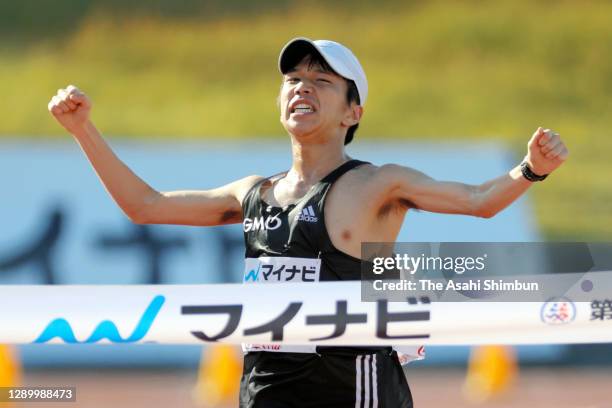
column 545, row 153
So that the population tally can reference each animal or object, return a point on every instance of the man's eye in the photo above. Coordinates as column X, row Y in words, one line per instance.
column 292, row 80
column 327, row 81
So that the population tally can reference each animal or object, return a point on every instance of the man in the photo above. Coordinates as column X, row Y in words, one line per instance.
column 304, row 218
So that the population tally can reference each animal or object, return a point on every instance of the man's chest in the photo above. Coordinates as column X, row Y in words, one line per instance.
column 349, row 210
column 351, row 216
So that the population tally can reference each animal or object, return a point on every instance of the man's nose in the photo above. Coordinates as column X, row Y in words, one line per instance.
column 303, row 87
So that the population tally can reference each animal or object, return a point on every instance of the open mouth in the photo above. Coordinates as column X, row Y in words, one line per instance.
column 302, row 108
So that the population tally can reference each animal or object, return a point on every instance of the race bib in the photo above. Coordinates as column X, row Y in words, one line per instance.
column 273, row 269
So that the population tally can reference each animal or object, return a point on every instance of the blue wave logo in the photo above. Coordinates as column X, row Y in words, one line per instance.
column 252, row 275
column 105, row 330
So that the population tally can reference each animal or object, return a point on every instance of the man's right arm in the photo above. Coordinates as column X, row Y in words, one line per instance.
column 139, row 201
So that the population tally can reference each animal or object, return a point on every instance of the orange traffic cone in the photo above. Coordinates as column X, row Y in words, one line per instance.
column 219, row 376
column 10, row 371
column 492, row 371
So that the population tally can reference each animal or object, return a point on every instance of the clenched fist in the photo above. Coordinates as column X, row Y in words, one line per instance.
column 70, row 107
column 545, row 152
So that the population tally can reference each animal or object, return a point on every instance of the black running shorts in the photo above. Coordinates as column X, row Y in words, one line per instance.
column 338, row 378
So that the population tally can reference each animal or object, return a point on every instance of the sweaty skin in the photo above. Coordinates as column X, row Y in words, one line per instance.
column 367, row 204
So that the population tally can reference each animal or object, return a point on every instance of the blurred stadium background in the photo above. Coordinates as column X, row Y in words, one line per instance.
column 183, row 89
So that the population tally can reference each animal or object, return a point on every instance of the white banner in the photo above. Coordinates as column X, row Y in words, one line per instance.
column 322, row 313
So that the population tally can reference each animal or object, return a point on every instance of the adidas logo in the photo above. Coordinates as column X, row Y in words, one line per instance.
column 307, row 214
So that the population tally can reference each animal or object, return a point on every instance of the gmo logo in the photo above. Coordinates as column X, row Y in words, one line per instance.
column 269, row 223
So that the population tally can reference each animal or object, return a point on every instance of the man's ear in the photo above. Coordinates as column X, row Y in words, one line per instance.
column 353, row 115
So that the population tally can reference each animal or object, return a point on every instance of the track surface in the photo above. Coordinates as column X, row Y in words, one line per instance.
column 432, row 387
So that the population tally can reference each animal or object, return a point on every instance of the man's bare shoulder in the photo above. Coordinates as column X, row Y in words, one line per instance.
column 366, row 182
column 241, row 187
column 383, row 175
column 391, row 175
column 380, row 184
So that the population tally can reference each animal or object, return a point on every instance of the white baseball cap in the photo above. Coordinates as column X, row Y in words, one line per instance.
column 340, row 58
